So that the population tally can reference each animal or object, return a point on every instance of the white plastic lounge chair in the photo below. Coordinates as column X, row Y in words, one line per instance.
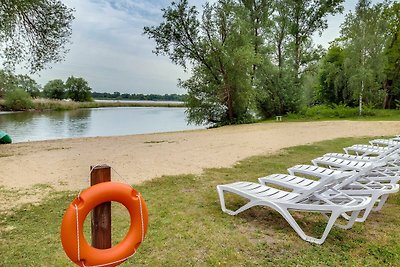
column 389, row 158
column 384, row 142
column 386, row 162
column 336, row 203
column 365, row 150
column 396, row 138
column 350, row 186
column 378, row 187
column 382, row 170
column 369, row 150
column 387, row 152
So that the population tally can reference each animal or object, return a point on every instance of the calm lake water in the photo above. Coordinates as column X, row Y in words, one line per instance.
column 31, row 126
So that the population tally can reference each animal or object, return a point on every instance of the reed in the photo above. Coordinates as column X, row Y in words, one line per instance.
column 59, row 105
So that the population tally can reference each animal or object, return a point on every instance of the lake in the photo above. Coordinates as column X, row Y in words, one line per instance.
column 35, row 126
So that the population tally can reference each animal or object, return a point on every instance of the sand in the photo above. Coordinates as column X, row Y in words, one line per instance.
column 64, row 164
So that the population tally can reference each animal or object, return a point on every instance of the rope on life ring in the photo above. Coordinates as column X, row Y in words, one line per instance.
column 72, row 238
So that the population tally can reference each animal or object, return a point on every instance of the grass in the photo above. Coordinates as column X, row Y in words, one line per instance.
column 323, row 112
column 60, row 105
column 187, row 227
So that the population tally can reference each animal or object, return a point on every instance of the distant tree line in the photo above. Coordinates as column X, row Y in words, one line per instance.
column 148, row 97
column 253, row 59
column 22, row 88
column 19, row 90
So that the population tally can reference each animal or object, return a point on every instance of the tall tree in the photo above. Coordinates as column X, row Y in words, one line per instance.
column 34, row 32
column 332, row 78
column 392, row 52
column 218, row 47
column 258, row 15
column 294, row 24
column 305, row 18
column 363, row 34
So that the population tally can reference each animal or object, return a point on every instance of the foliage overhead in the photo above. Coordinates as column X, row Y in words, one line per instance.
column 34, row 31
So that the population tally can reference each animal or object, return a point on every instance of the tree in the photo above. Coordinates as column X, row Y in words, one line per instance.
column 78, row 89
column 333, row 81
column 392, row 52
column 363, row 34
column 54, row 89
column 247, row 57
column 6, row 82
column 34, row 32
column 27, row 84
column 218, row 47
column 258, row 14
column 303, row 19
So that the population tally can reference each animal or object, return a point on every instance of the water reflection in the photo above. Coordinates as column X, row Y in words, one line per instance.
column 27, row 126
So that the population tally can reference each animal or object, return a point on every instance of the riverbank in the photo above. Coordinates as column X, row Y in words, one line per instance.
column 60, row 105
column 64, row 164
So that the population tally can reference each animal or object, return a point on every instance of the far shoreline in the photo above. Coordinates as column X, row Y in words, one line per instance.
column 41, row 104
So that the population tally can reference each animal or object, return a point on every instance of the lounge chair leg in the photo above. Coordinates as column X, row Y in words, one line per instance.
column 231, row 212
column 381, row 202
column 351, row 220
column 289, row 218
column 369, row 208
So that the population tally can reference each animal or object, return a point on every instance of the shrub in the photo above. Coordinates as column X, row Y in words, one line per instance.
column 335, row 111
column 17, row 99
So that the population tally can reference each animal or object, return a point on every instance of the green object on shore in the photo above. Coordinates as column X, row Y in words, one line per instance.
column 5, row 138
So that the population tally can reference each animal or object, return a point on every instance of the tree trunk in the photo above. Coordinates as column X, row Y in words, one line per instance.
column 361, row 98
column 253, row 74
column 280, row 60
column 229, row 102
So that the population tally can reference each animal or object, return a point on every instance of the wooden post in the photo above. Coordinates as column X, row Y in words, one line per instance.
column 101, row 215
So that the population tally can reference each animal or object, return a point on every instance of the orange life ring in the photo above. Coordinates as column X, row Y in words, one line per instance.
column 73, row 241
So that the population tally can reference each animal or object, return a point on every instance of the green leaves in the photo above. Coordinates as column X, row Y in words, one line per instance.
column 34, row 32
column 78, row 89
column 217, row 45
column 54, row 89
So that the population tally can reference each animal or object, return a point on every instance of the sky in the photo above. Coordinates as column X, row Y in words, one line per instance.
column 109, row 49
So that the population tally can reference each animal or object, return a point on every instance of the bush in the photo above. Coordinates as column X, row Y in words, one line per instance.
column 334, row 112
column 17, row 99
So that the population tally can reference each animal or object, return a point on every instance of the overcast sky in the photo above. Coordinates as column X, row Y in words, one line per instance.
column 109, row 50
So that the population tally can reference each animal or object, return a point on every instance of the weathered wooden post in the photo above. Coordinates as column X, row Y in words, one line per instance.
column 101, row 215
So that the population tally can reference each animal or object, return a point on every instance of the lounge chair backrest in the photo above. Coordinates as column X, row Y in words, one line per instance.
column 384, row 142
column 327, row 182
column 391, row 154
column 366, row 150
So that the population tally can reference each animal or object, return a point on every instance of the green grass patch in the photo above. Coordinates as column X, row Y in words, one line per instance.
column 188, row 228
column 324, row 112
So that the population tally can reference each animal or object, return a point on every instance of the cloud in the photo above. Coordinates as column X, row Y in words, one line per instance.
column 109, row 50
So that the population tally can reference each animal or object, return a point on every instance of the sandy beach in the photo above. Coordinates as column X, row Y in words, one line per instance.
column 64, row 164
